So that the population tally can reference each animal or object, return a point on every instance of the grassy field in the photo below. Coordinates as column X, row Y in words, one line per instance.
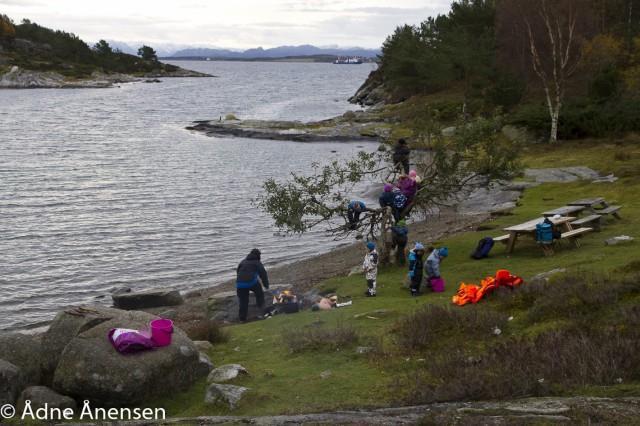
column 287, row 377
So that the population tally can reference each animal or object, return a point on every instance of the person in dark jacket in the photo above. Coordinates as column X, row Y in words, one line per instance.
column 354, row 209
column 399, row 239
column 387, row 196
column 251, row 276
column 415, row 268
column 401, row 153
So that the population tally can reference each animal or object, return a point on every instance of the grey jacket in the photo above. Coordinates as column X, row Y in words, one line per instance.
column 432, row 264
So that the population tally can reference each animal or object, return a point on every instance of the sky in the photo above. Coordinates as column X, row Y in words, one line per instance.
column 238, row 24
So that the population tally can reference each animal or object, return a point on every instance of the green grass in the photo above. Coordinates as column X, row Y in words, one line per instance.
column 283, row 382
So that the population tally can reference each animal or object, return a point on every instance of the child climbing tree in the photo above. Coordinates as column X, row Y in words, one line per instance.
column 474, row 156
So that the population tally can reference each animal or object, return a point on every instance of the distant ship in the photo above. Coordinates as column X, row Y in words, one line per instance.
column 348, row 61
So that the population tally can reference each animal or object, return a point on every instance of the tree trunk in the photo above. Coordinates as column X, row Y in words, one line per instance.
column 384, row 252
column 553, row 137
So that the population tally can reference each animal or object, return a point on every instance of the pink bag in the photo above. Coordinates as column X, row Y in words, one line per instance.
column 437, row 285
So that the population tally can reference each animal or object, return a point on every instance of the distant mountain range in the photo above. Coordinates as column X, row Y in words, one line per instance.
column 168, row 50
column 276, row 52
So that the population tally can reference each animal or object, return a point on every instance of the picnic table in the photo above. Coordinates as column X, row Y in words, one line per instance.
column 564, row 211
column 590, row 203
column 597, row 206
column 529, row 228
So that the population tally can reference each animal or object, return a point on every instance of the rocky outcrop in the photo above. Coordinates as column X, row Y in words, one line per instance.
column 229, row 395
column 561, row 174
column 41, row 396
column 11, row 382
column 90, row 368
column 25, row 352
column 227, row 372
column 18, row 78
column 372, row 92
column 352, row 126
column 147, row 299
column 495, row 197
column 178, row 73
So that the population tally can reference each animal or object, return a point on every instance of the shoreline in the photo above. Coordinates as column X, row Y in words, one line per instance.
column 304, row 275
column 352, row 126
column 18, row 78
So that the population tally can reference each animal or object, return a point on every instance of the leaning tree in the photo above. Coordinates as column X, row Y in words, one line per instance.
column 452, row 167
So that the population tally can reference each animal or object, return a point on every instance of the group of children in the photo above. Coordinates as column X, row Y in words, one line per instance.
column 417, row 268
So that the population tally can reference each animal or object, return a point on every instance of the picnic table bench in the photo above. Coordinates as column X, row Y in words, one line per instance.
column 597, row 205
column 529, row 228
column 592, row 220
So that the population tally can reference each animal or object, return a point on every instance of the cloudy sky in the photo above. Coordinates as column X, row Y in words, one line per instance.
column 228, row 23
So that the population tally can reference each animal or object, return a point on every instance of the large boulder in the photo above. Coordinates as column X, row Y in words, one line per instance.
column 66, row 326
column 229, row 395
column 147, row 299
column 42, row 396
column 90, row 368
column 11, row 382
column 25, row 352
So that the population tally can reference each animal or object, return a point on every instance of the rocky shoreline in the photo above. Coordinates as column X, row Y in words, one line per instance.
column 18, row 78
column 351, row 126
column 73, row 361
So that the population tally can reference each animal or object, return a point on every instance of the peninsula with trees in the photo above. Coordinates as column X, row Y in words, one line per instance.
column 33, row 56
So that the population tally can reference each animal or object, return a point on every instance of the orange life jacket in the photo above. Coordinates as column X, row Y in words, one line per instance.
column 472, row 293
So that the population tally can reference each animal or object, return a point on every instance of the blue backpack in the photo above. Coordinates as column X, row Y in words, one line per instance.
column 399, row 201
column 483, row 248
column 544, row 233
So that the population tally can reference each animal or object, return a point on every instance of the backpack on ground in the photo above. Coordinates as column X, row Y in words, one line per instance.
column 483, row 248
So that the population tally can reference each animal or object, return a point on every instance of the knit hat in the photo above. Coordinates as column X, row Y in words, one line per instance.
column 443, row 252
column 371, row 245
column 419, row 246
column 413, row 174
column 388, row 187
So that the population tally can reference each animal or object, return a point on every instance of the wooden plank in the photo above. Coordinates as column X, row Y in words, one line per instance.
column 576, row 232
column 530, row 226
column 564, row 211
column 609, row 210
column 502, row 238
column 587, row 202
column 587, row 219
column 594, row 220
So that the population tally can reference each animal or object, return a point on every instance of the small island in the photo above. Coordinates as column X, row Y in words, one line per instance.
column 32, row 56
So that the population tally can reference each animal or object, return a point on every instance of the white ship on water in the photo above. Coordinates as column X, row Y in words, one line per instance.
column 348, row 61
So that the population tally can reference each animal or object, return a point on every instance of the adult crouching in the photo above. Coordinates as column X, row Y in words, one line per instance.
column 251, row 276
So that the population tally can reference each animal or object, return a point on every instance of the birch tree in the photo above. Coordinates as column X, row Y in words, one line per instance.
column 555, row 52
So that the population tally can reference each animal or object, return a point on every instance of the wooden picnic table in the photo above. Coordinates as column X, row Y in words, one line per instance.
column 590, row 203
column 564, row 211
column 529, row 228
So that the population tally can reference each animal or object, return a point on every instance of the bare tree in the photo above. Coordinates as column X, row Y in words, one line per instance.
column 555, row 52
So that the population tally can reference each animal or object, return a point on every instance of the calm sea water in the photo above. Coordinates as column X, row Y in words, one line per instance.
column 104, row 188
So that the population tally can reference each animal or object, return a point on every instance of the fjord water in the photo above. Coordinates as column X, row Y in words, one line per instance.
column 104, row 188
